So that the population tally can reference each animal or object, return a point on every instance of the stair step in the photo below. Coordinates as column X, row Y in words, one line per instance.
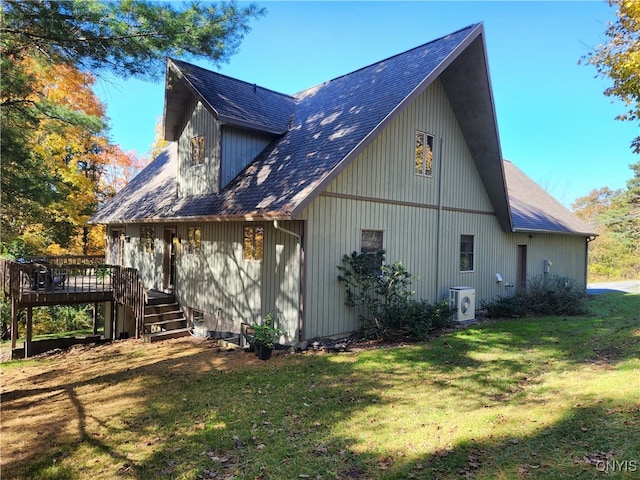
column 165, row 335
column 165, row 322
column 160, row 306
column 160, row 299
column 163, row 314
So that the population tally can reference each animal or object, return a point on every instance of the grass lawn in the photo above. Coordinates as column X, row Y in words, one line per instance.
column 543, row 398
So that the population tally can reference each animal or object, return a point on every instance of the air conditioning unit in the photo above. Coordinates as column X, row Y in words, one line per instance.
column 462, row 301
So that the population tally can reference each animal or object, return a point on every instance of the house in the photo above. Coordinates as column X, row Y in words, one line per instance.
column 260, row 194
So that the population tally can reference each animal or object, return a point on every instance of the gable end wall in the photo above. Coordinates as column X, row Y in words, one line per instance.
column 204, row 178
column 422, row 219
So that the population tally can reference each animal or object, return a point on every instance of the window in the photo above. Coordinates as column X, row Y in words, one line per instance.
column 253, row 245
column 194, row 239
column 197, row 150
column 197, row 317
column 371, row 243
column 424, row 154
column 147, row 237
column 466, row 253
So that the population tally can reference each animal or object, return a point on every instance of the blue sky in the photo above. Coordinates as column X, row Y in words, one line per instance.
column 554, row 122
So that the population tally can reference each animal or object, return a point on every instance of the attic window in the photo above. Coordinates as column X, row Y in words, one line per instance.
column 197, row 150
column 253, row 244
column 424, row 154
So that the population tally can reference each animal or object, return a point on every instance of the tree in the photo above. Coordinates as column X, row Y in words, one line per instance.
column 51, row 217
column 53, row 147
column 619, row 59
column 615, row 217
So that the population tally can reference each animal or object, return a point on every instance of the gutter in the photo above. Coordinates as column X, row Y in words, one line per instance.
column 298, row 237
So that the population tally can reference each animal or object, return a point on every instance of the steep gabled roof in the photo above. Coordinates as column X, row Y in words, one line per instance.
column 228, row 99
column 534, row 210
column 321, row 130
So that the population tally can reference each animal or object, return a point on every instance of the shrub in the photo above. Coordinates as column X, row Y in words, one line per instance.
column 555, row 295
column 506, row 307
column 384, row 296
column 545, row 295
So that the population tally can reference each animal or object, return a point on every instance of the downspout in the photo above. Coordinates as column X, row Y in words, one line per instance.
column 438, row 223
column 589, row 239
column 300, row 284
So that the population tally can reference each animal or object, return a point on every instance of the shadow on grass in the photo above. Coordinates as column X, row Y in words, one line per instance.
column 587, row 443
column 496, row 360
column 199, row 415
column 186, row 416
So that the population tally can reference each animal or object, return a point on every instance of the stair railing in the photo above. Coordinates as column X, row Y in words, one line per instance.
column 129, row 290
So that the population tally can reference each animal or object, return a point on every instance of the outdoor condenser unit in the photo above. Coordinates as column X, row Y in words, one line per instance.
column 463, row 302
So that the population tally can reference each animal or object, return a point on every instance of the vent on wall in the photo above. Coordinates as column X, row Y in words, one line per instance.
column 462, row 301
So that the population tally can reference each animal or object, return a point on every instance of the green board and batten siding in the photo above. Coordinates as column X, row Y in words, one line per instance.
column 238, row 148
column 422, row 219
column 379, row 191
column 219, row 281
column 204, row 178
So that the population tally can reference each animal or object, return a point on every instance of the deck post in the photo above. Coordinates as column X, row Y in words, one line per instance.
column 95, row 318
column 27, row 342
column 14, row 323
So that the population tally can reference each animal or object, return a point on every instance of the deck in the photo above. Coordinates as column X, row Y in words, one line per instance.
column 37, row 282
column 64, row 285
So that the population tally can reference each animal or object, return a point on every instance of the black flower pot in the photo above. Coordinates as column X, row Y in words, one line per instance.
column 263, row 352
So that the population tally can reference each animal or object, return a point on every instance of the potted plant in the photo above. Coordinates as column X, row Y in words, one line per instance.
column 264, row 337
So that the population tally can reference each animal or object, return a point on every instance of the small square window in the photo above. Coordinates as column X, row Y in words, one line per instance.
column 197, row 150
column 197, row 316
column 194, row 240
column 423, row 154
column 466, row 253
column 253, row 244
column 147, row 237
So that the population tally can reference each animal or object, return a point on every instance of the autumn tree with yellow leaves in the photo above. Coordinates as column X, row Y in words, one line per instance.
column 57, row 163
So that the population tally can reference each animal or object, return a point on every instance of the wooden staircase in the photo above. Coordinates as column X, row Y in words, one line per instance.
column 163, row 318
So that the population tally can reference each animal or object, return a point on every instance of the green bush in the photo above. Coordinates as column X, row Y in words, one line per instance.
column 384, row 297
column 545, row 295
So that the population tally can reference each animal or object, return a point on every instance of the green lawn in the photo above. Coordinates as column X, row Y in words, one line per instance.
column 545, row 398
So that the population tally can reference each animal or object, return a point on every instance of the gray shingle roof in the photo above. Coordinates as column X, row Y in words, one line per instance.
column 320, row 130
column 534, row 210
column 325, row 127
column 238, row 102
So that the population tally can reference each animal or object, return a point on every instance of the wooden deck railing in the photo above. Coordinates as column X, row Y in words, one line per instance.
column 72, row 279
column 40, row 281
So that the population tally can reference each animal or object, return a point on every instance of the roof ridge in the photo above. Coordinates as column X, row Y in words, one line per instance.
column 468, row 27
column 237, row 80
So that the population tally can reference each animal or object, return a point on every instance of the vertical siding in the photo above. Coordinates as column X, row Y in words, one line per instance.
column 148, row 264
column 205, row 178
column 380, row 191
column 238, row 149
column 220, row 281
column 385, row 169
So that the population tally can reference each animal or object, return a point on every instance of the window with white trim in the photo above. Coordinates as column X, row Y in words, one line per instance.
column 467, row 258
column 423, row 154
